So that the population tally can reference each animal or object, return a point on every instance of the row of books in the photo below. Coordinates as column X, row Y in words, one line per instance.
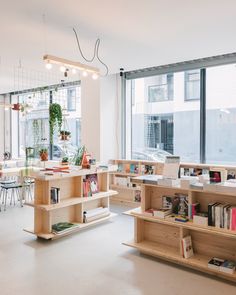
column 55, row 195
column 134, row 168
column 95, row 214
column 222, row 216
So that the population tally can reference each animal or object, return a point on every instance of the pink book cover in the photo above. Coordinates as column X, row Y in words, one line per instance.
column 233, row 219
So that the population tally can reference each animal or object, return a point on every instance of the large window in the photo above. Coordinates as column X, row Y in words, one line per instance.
column 221, row 114
column 197, row 124
column 167, row 126
column 33, row 123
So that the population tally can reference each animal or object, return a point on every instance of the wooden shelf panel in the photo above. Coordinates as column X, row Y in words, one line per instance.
column 125, row 174
column 120, row 187
column 198, row 262
column 180, row 189
column 81, row 226
column 189, row 225
column 73, row 201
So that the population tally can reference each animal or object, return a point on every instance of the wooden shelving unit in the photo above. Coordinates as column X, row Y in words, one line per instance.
column 162, row 237
column 126, row 194
column 72, row 204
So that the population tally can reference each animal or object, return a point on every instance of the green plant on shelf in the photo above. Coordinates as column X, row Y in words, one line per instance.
column 55, row 119
column 79, row 156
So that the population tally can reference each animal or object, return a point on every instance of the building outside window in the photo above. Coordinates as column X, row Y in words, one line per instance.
column 71, row 99
column 174, row 127
column 192, row 85
column 162, row 90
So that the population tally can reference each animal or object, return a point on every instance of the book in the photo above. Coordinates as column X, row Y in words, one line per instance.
column 167, row 202
column 181, row 218
column 201, row 219
column 120, row 168
column 233, row 218
column 86, row 188
column 227, row 217
column 217, row 175
column 162, row 212
column 171, row 167
column 195, row 209
column 148, row 169
column 137, row 196
column 228, row 266
column 134, row 168
column 218, row 215
column 93, row 182
column 62, row 227
column 54, row 195
column 149, row 212
column 215, row 263
column 187, row 247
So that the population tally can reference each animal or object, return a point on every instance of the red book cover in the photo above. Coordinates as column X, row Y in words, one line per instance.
column 233, row 219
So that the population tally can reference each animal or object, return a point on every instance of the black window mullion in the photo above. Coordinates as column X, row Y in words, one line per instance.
column 203, row 115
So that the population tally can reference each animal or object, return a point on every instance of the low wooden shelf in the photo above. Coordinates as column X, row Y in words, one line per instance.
column 71, row 205
column 162, row 237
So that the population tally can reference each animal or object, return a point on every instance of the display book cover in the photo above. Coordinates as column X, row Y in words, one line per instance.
column 92, row 179
column 187, row 247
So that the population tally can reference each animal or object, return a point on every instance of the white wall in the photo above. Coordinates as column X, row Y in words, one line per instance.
column 110, row 117
column 90, row 119
column 100, row 105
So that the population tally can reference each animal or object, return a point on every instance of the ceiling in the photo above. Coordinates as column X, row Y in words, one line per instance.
column 134, row 34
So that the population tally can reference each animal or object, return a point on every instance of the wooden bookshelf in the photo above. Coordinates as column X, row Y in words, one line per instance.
column 71, row 205
column 126, row 192
column 162, row 237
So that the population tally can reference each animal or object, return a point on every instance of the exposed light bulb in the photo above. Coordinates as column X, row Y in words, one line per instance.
column 95, row 76
column 74, row 71
column 48, row 66
column 62, row 69
column 85, row 74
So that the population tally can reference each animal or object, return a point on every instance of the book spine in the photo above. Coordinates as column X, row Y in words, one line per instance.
column 210, row 214
column 217, row 216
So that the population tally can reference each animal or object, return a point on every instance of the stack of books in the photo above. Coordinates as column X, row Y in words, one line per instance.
column 95, row 214
column 222, row 265
column 63, row 227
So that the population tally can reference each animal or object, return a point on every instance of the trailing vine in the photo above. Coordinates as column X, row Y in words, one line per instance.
column 55, row 119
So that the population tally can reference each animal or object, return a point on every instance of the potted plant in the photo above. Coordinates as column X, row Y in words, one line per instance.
column 55, row 119
column 64, row 134
column 65, row 161
column 43, row 153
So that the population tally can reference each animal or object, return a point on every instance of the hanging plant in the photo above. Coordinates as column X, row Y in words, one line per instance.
column 55, row 119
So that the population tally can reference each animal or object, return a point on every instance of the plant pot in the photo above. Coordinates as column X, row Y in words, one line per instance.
column 64, row 137
column 44, row 156
column 64, row 163
column 16, row 107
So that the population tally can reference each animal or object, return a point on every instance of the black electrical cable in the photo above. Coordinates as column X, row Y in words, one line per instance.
column 95, row 54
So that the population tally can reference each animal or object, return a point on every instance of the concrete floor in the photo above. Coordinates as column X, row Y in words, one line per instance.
column 91, row 262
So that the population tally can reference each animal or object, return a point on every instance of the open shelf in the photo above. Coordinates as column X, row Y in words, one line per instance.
column 197, row 261
column 188, row 225
column 81, row 226
column 72, row 206
column 73, row 201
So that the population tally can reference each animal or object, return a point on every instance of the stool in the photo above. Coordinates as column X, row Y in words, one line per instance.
column 13, row 188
